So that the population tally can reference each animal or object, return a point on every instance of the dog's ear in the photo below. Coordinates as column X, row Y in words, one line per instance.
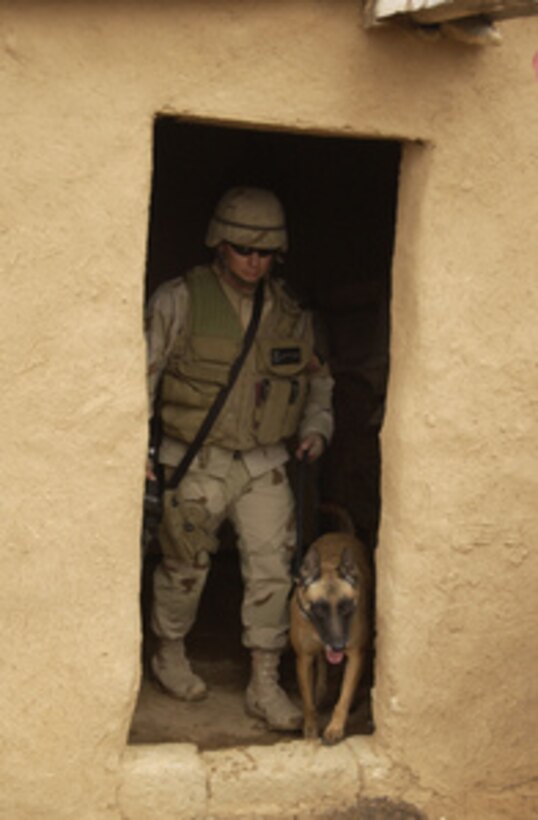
column 310, row 570
column 347, row 568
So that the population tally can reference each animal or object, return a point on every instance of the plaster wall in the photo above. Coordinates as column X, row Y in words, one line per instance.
column 455, row 696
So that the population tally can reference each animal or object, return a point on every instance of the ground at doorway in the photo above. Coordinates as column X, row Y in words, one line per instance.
column 219, row 721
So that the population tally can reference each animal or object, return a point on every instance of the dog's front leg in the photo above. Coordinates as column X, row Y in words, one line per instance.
column 335, row 730
column 320, row 686
column 305, row 679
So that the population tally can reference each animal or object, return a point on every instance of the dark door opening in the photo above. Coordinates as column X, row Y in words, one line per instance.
column 340, row 200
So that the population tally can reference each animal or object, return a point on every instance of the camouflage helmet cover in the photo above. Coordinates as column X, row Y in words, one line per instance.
column 248, row 216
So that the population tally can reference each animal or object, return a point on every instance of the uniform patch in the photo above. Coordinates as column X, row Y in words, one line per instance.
column 285, row 355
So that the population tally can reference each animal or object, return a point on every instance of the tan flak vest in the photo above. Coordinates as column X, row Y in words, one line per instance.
column 266, row 403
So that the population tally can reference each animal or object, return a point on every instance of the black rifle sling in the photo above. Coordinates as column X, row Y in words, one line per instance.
column 218, row 404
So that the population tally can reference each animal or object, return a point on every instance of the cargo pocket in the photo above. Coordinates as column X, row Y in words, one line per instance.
column 281, row 394
column 186, row 531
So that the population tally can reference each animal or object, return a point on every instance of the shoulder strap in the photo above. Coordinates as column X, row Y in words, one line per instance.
column 222, row 395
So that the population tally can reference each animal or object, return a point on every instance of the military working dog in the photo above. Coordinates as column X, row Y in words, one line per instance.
column 330, row 610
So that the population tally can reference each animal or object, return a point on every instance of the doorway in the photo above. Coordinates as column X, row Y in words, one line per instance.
column 339, row 195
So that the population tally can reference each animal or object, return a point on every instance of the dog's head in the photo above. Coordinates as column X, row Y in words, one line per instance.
column 329, row 596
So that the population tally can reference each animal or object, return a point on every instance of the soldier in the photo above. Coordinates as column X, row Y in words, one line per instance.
column 195, row 326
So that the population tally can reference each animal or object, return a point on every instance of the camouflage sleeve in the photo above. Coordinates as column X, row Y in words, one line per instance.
column 165, row 318
column 318, row 416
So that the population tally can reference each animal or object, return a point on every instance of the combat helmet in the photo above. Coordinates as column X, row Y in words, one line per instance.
column 248, row 216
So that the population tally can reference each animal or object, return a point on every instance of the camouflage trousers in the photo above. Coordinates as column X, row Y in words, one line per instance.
column 261, row 511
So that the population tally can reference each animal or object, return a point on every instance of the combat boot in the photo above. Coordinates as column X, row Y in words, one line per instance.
column 266, row 699
column 173, row 671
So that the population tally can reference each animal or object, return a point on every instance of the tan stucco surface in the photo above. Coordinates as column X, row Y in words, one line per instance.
column 455, row 697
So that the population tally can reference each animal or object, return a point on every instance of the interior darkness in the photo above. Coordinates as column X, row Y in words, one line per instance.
column 339, row 196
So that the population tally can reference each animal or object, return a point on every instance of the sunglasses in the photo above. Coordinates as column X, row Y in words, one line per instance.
column 246, row 250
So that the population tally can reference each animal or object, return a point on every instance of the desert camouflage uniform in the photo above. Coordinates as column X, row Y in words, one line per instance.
column 247, row 486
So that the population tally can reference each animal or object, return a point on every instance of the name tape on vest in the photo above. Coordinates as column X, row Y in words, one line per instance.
column 285, row 355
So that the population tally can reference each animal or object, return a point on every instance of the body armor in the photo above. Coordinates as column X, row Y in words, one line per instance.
column 267, row 401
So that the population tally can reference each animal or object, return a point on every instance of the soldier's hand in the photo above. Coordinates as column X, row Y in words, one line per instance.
column 311, row 447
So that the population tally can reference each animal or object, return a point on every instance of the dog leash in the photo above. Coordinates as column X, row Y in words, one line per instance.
column 299, row 516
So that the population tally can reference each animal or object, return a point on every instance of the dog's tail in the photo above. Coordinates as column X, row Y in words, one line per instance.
column 338, row 516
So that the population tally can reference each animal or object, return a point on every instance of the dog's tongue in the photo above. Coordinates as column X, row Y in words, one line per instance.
column 333, row 656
